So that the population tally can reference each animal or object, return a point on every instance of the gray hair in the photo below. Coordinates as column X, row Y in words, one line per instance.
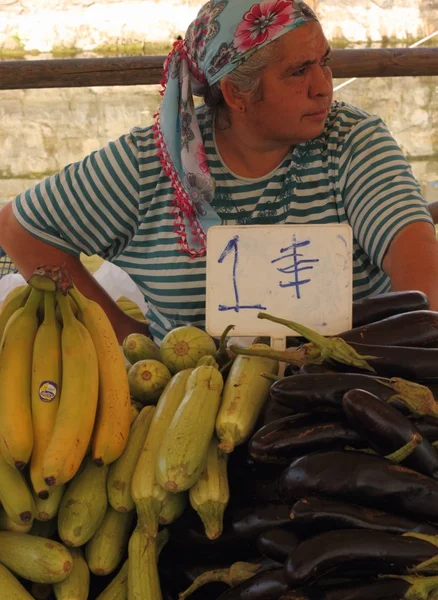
column 246, row 78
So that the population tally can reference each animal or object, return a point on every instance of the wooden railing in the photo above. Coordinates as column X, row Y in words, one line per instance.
column 140, row 70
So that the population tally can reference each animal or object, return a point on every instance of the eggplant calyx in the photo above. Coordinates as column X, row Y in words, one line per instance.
column 270, row 377
column 237, row 573
column 418, row 398
column 431, row 539
column 402, row 453
column 331, row 348
column 420, row 588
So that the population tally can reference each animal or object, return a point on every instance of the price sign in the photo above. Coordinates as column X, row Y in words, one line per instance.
column 297, row 272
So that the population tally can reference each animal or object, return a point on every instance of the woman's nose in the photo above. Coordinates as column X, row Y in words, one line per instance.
column 322, row 81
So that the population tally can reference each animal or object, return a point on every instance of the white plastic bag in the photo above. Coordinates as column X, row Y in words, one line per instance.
column 113, row 279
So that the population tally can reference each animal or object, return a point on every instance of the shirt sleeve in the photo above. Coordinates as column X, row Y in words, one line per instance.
column 381, row 194
column 90, row 206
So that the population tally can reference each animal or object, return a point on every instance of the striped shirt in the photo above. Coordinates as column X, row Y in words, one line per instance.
column 116, row 203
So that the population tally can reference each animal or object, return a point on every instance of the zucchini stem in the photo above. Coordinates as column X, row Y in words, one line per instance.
column 331, row 348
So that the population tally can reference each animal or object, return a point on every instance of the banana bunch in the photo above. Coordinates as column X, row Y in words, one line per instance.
column 131, row 308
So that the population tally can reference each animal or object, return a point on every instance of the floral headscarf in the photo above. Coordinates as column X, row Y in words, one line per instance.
column 224, row 34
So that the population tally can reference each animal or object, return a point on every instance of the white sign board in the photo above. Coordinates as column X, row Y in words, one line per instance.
column 297, row 272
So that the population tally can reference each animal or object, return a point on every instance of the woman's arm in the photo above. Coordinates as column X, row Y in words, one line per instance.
column 28, row 252
column 412, row 261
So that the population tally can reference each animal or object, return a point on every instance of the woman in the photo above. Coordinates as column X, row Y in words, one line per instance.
column 269, row 146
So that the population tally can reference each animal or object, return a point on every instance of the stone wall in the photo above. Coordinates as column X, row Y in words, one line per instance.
column 42, row 25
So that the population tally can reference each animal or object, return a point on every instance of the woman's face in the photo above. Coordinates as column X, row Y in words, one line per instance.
column 297, row 89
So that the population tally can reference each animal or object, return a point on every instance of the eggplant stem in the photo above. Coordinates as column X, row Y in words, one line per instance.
column 223, row 369
column 237, row 573
column 222, row 354
column 402, row 453
column 363, row 450
column 271, row 377
column 333, row 348
column 416, row 397
column 291, row 358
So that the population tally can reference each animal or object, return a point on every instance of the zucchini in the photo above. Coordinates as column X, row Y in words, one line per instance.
column 105, row 550
column 210, row 495
column 147, row 494
column 143, row 579
column 245, row 393
column 10, row 587
column 83, row 505
column 122, row 470
column 77, row 584
column 183, row 451
column 34, row 558
column 117, row 589
column 172, row 508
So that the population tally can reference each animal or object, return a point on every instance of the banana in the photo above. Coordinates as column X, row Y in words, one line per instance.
column 113, row 419
column 16, row 437
column 15, row 495
column 46, row 389
column 13, row 301
column 47, row 509
column 7, row 524
column 78, row 401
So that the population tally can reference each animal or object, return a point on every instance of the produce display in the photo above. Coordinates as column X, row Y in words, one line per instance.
column 193, row 470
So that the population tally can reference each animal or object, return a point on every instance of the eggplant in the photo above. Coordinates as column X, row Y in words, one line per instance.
column 376, row 308
column 381, row 589
column 305, row 393
column 387, row 430
column 318, row 514
column 316, row 369
column 415, row 364
column 277, row 543
column 362, row 479
column 281, row 441
column 418, row 328
column 273, row 411
column 267, row 585
column 427, row 426
column 249, row 522
column 375, row 551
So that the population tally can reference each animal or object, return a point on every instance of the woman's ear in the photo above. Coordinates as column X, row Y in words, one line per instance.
column 234, row 99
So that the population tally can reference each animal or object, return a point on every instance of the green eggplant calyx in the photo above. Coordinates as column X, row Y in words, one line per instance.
column 402, row 453
column 364, row 450
column 427, row 566
column 227, row 366
column 420, row 588
column 331, row 348
column 431, row 539
column 222, row 355
column 416, row 397
column 237, row 573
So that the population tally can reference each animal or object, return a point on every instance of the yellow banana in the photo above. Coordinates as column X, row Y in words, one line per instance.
column 15, row 495
column 114, row 408
column 78, row 401
column 13, row 301
column 16, row 437
column 46, row 389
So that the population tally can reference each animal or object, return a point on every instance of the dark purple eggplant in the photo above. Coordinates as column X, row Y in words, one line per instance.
column 374, row 551
column 281, row 441
column 318, row 514
column 362, row 479
column 268, row 585
column 316, row 369
column 415, row 364
column 277, row 543
column 381, row 589
column 249, row 522
column 418, row 328
column 387, row 430
column 427, row 426
column 375, row 308
column 306, row 393
column 273, row 411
